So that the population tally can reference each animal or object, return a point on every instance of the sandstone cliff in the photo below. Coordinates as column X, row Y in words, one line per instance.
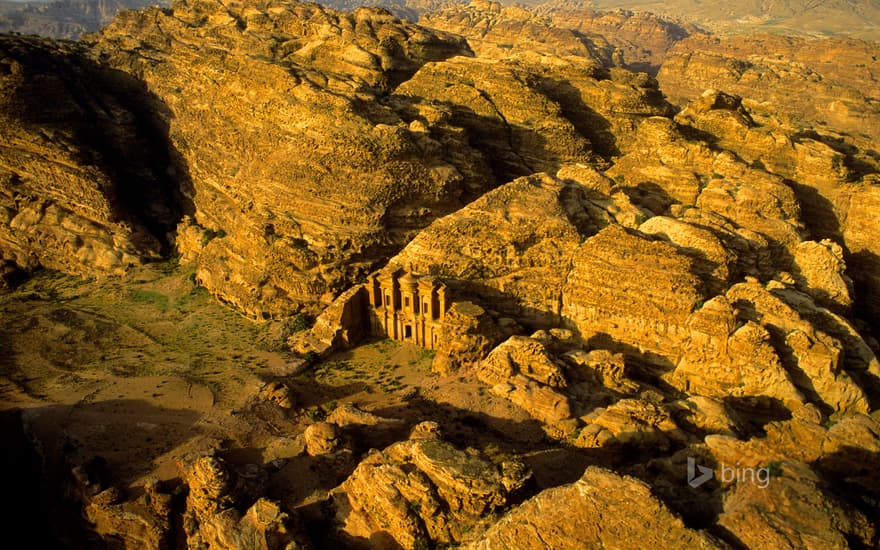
column 422, row 490
column 537, row 222
column 83, row 185
column 301, row 178
column 641, row 39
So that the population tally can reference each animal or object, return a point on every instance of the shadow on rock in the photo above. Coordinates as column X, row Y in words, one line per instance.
column 91, row 453
column 111, row 121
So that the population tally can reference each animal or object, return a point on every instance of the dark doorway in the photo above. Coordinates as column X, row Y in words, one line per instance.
column 407, row 332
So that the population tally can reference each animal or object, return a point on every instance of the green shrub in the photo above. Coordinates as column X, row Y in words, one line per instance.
column 775, row 468
column 870, row 501
column 311, row 358
column 301, row 322
column 209, row 235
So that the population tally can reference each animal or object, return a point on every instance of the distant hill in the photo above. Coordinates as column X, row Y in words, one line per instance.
column 856, row 18
column 64, row 18
column 410, row 10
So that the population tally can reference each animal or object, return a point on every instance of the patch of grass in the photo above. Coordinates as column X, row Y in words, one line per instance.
column 169, row 265
column 387, row 345
column 141, row 296
column 130, row 371
column 196, row 295
column 335, row 366
column 414, row 507
column 190, row 275
column 299, row 323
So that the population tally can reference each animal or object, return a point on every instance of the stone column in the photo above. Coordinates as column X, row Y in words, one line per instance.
column 441, row 297
column 426, row 297
column 375, row 289
column 409, row 294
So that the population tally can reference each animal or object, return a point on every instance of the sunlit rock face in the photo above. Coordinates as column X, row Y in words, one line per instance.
column 301, row 176
column 637, row 41
column 812, row 120
column 424, row 489
column 562, row 518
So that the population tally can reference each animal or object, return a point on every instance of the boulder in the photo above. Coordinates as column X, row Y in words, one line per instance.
column 566, row 518
column 424, row 489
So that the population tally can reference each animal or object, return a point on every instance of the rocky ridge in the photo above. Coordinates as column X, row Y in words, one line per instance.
column 67, row 19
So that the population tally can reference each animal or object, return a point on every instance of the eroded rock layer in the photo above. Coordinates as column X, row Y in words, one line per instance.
column 564, row 517
column 83, row 187
column 301, row 178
